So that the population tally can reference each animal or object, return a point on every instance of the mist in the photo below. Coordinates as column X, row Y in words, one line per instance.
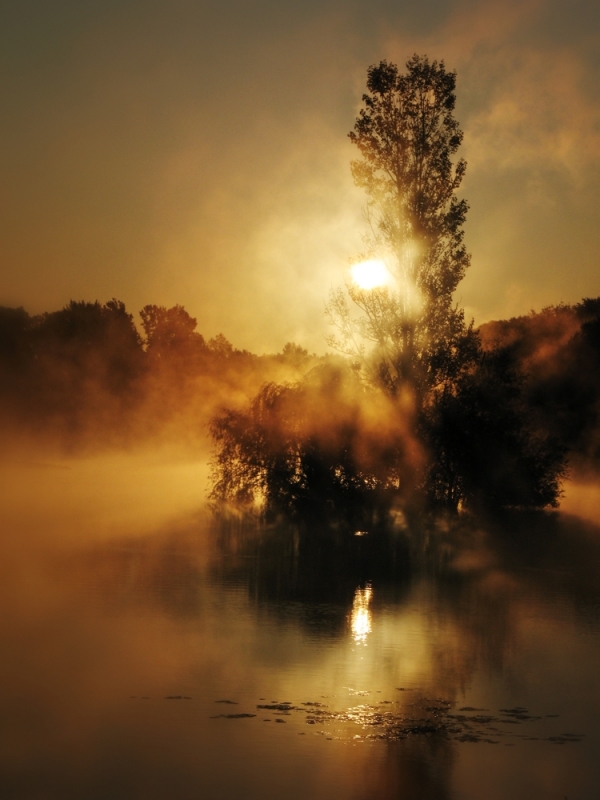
column 86, row 379
column 234, row 562
column 199, row 155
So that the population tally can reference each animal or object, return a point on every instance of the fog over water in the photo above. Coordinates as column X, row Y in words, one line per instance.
column 117, row 585
column 234, row 564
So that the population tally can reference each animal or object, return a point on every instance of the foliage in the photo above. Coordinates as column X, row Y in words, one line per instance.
column 558, row 352
column 296, row 446
column 320, row 447
column 169, row 332
column 99, row 342
column 84, row 378
column 485, row 449
column 419, row 410
column 406, row 134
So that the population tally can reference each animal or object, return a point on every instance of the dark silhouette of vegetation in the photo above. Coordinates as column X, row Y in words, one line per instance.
column 418, row 408
column 170, row 334
column 71, row 368
column 558, row 353
column 456, row 430
column 487, row 451
column 85, row 378
column 411, row 333
column 324, row 447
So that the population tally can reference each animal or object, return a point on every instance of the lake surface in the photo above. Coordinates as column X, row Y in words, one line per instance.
column 151, row 652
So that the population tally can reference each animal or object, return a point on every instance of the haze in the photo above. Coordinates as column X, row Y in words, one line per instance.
column 197, row 153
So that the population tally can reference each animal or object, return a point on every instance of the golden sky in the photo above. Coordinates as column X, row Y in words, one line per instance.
column 196, row 152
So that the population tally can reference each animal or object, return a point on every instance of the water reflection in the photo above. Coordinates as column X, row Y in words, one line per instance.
column 461, row 620
column 360, row 617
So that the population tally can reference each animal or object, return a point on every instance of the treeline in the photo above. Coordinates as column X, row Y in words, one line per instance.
column 424, row 413
column 86, row 377
column 557, row 354
column 520, row 409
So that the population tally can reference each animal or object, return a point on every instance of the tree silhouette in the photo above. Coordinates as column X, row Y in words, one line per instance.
column 170, row 333
column 303, row 447
column 318, row 448
column 95, row 343
column 485, row 451
column 406, row 134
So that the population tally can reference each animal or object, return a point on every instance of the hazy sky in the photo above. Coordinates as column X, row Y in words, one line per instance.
column 196, row 152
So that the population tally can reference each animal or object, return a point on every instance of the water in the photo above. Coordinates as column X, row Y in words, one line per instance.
column 446, row 662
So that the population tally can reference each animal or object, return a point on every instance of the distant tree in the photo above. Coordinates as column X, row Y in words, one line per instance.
column 294, row 355
column 79, row 370
column 558, row 351
column 170, row 333
column 15, row 344
column 91, row 341
column 17, row 359
column 220, row 346
column 406, row 133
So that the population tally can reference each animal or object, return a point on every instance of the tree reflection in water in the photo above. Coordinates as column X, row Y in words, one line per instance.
column 394, row 627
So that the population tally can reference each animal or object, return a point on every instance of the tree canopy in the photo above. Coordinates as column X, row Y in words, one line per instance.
column 456, row 427
column 407, row 135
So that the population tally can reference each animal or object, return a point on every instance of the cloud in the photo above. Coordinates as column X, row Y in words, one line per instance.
column 538, row 117
column 197, row 154
column 527, row 98
column 524, row 98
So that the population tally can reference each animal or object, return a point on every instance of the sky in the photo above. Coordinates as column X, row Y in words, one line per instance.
column 197, row 153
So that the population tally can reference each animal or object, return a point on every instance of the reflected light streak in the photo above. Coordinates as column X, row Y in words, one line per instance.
column 360, row 618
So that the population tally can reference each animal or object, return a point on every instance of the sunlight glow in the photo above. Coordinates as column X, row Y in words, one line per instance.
column 370, row 274
column 360, row 619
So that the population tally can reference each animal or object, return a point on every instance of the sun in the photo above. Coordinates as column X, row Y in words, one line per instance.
column 370, row 274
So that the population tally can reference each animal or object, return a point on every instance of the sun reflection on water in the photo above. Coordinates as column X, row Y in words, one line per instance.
column 360, row 618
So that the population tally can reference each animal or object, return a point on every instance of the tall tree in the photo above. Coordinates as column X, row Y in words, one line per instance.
column 471, row 439
column 407, row 134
